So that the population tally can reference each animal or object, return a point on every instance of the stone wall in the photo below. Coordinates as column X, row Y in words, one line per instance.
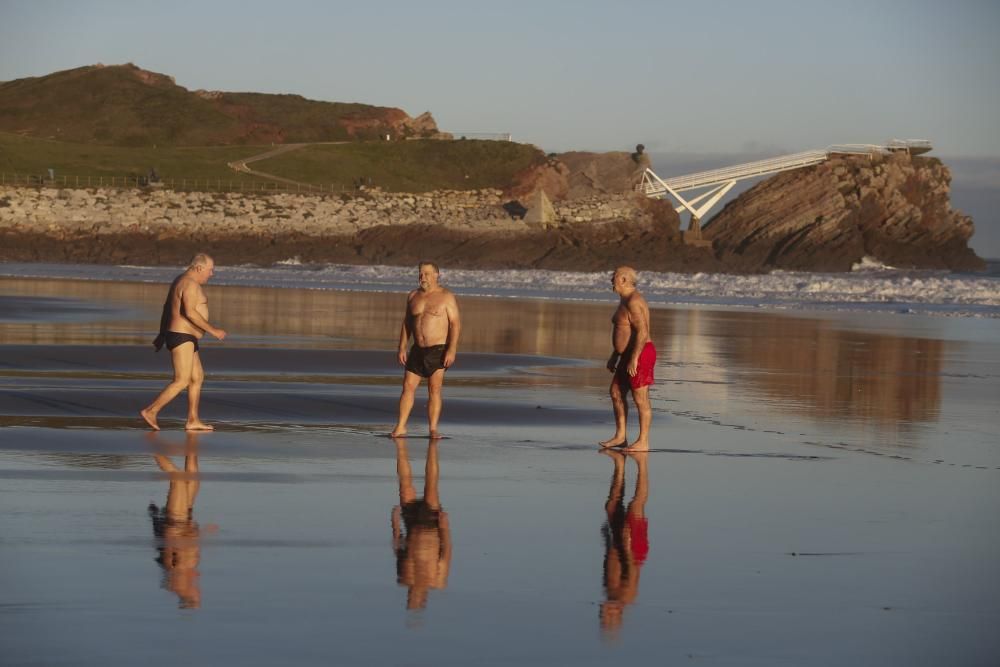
column 167, row 212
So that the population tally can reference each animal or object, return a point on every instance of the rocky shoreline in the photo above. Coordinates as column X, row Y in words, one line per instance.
column 828, row 217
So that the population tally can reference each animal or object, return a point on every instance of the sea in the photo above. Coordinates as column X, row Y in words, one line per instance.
column 869, row 287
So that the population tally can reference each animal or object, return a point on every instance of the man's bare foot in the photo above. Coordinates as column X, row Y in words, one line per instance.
column 434, row 435
column 198, row 426
column 637, row 446
column 149, row 418
column 613, row 442
column 398, row 432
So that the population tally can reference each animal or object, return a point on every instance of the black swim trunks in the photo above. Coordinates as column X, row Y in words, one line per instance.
column 424, row 361
column 174, row 339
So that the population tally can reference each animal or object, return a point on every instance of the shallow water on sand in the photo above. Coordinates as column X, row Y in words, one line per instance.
column 822, row 490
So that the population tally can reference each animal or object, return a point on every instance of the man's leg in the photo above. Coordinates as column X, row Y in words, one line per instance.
column 621, row 415
column 410, row 383
column 194, row 397
column 406, row 492
column 182, row 358
column 431, row 477
column 191, row 468
column 641, row 398
column 434, row 384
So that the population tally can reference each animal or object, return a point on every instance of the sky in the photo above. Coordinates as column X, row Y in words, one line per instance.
column 725, row 77
column 716, row 77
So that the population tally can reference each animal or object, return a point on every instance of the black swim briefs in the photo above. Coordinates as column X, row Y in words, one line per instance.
column 424, row 361
column 174, row 339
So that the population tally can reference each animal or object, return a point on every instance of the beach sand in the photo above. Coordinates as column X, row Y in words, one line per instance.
column 823, row 489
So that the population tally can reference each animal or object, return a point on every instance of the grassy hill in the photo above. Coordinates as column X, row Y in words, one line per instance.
column 400, row 166
column 123, row 105
column 24, row 155
column 408, row 166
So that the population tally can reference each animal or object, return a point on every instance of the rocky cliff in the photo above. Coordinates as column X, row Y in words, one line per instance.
column 580, row 174
column 824, row 218
column 892, row 208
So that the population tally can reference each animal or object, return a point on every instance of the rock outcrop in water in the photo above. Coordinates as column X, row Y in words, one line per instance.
column 893, row 208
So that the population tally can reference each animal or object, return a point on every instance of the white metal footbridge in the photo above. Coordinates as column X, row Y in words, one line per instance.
column 720, row 181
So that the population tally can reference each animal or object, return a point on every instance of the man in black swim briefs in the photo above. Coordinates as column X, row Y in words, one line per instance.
column 173, row 339
column 425, row 361
column 183, row 322
column 432, row 319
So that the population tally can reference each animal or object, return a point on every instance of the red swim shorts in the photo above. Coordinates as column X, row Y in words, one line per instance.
column 644, row 371
column 639, row 533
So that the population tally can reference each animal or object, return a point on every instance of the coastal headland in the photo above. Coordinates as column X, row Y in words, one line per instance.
column 364, row 184
column 826, row 217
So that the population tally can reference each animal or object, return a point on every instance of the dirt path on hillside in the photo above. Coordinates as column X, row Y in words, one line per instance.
column 241, row 165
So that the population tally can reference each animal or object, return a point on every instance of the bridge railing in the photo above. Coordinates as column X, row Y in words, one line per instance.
column 653, row 185
column 484, row 136
column 747, row 170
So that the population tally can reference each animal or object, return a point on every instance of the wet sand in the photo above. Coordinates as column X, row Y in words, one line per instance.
column 823, row 490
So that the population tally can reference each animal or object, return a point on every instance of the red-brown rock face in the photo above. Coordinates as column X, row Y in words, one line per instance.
column 828, row 217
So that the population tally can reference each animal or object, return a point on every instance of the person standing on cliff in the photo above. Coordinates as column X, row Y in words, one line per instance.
column 183, row 322
column 632, row 360
column 432, row 319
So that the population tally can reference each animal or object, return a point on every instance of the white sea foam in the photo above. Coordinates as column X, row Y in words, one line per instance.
column 868, row 263
column 875, row 288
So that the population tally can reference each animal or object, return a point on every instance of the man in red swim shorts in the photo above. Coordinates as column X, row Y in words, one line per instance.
column 632, row 360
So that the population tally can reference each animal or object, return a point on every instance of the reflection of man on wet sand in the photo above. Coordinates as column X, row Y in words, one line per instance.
column 632, row 360
column 432, row 319
column 420, row 533
column 625, row 541
column 183, row 323
column 175, row 529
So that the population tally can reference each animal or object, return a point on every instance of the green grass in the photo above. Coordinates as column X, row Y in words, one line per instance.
column 407, row 166
column 401, row 166
column 110, row 106
column 122, row 105
column 23, row 155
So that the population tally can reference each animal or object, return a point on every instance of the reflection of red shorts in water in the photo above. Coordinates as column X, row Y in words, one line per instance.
column 638, row 527
column 644, row 371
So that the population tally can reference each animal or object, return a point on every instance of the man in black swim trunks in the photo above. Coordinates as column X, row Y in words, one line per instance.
column 432, row 319
column 184, row 321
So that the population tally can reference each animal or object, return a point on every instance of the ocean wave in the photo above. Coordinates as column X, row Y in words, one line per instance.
column 873, row 288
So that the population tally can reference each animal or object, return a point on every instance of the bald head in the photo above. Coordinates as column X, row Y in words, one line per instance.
column 201, row 268
column 201, row 259
column 628, row 273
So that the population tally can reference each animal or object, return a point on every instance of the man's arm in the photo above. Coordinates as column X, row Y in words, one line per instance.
column 191, row 296
column 613, row 360
column 404, row 333
column 640, row 319
column 454, row 330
